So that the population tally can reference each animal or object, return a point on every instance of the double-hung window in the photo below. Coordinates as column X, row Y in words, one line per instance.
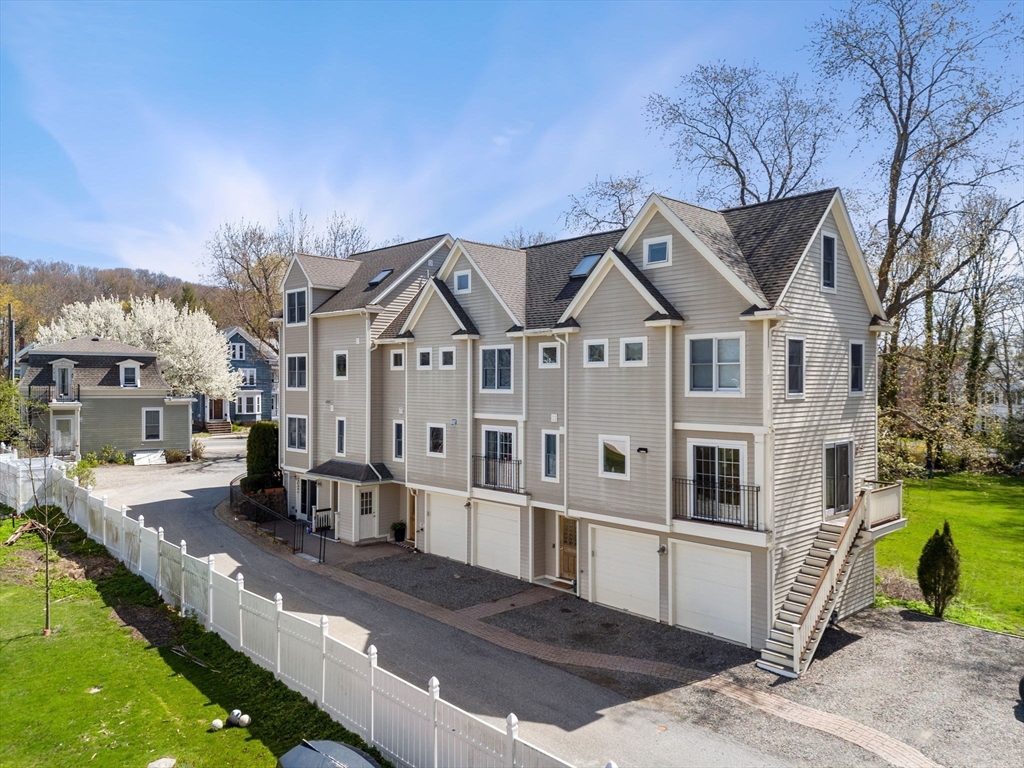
column 295, row 307
column 550, row 456
column 296, row 371
column 496, row 369
column 856, row 367
column 716, row 364
column 296, row 433
column 152, row 423
column 828, row 262
column 399, row 441
column 249, row 404
column 248, row 377
column 339, row 447
column 129, row 375
column 838, row 477
column 341, row 366
column 237, row 351
column 794, row 367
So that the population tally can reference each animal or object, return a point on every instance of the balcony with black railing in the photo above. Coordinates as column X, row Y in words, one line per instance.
column 497, row 474
column 50, row 393
column 716, row 500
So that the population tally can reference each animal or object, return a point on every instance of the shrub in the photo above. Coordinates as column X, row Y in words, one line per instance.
column 938, row 571
column 120, row 457
column 174, row 456
column 90, row 460
column 198, row 449
column 261, row 456
column 83, row 470
column 107, row 454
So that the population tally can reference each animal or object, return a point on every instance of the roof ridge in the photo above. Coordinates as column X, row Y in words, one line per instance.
column 352, row 256
column 686, row 202
column 577, row 237
column 833, row 190
column 491, row 245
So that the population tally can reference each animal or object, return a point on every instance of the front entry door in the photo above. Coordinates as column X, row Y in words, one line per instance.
column 410, row 534
column 567, row 533
column 367, row 515
column 216, row 410
column 63, row 435
column 307, row 498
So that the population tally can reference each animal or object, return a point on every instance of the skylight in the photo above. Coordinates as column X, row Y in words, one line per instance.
column 380, row 277
column 586, row 265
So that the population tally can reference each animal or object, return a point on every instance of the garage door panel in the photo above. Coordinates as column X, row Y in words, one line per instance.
column 447, row 521
column 626, row 571
column 497, row 538
column 711, row 590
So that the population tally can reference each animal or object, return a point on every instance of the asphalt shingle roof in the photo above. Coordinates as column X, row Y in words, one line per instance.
column 90, row 345
column 92, row 371
column 326, row 271
column 464, row 319
column 667, row 310
column 353, row 471
column 505, row 269
column 355, row 292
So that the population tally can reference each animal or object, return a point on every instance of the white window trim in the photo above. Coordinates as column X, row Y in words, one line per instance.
column 70, row 368
column 623, row 363
column 245, row 376
column 821, row 262
column 558, row 456
column 830, row 511
column 512, row 371
column 124, row 366
column 391, row 360
column 469, row 281
column 286, row 385
column 444, row 441
column 428, row 366
column 600, row 456
column 335, row 369
column 305, row 418
column 803, row 368
column 741, row 335
column 586, row 353
column 157, row 439
column 306, row 319
column 340, row 420
column 694, row 442
column 484, row 429
column 235, row 348
column 863, row 369
column 540, row 356
column 394, row 455
column 257, row 403
column 654, row 241
column 440, row 359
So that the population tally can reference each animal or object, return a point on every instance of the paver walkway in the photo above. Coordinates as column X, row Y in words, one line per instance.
column 523, row 599
column 886, row 747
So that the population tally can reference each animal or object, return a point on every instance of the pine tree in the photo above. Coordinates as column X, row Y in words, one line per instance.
column 938, row 571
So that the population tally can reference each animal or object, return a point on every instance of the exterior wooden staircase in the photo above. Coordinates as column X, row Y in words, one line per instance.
column 815, row 594
column 218, row 427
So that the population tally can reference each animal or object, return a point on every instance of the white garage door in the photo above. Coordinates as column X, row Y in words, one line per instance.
column 711, row 590
column 447, row 526
column 497, row 538
column 625, row 570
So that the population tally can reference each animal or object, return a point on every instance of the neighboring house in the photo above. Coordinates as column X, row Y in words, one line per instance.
column 674, row 419
column 100, row 392
column 999, row 398
column 256, row 399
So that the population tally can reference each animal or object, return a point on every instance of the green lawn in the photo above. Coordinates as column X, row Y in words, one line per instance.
column 986, row 515
column 150, row 702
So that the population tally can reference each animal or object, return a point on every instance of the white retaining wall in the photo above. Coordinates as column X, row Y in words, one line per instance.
column 413, row 726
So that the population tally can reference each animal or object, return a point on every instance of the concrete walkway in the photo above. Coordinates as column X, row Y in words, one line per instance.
column 467, row 620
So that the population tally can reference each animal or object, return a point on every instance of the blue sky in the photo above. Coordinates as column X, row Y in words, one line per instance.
column 129, row 132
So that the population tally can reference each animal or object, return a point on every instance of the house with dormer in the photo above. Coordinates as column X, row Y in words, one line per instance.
column 676, row 419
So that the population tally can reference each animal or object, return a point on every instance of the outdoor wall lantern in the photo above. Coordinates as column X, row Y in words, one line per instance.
column 641, row 449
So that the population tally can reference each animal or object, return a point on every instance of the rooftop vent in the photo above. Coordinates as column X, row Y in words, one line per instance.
column 586, row 265
column 380, row 277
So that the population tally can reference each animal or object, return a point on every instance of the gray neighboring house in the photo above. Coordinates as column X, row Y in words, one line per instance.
column 100, row 392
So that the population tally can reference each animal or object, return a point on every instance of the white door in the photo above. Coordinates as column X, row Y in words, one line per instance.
column 367, row 515
column 496, row 528
column 446, row 526
column 711, row 590
column 626, row 570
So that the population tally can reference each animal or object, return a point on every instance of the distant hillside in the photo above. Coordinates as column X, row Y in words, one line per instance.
column 40, row 288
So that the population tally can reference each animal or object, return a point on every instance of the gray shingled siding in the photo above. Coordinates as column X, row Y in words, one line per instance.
column 860, row 590
column 117, row 421
column 617, row 401
column 828, row 412
column 711, row 306
column 347, row 397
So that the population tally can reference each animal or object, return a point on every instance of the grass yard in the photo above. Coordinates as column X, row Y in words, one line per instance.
column 105, row 689
column 986, row 515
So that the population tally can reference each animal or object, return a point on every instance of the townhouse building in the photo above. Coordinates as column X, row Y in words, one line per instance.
column 677, row 419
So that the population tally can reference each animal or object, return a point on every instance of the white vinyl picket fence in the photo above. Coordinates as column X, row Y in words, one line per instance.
column 412, row 726
column 24, row 483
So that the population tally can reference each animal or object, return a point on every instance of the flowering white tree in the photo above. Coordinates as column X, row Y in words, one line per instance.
column 194, row 356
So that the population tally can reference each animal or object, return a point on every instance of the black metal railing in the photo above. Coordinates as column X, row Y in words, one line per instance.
column 51, row 394
column 291, row 532
column 499, row 474
column 709, row 500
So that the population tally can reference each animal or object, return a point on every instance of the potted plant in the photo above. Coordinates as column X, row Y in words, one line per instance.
column 399, row 530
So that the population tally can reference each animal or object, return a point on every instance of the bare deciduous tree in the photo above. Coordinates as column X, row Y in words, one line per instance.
column 609, row 204
column 341, row 237
column 521, row 238
column 752, row 135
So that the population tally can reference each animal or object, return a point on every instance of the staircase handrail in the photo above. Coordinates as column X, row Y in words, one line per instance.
column 804, row 629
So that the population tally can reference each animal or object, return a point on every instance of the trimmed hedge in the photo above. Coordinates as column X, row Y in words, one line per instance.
column 261, row 457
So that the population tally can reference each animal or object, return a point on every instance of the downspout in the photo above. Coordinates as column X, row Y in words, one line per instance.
column 669, row 418
column 565, row 422
column 310, row 382
column 369, row 348
column 768, row 498
column 522, row 424
column 470, row 426
column 405, row 411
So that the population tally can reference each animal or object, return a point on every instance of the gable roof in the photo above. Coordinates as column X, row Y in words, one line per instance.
column 505, row 270
column 90, row 345
column 453, row 304
column 356, row 292
column 326, row 271
column 264, row 349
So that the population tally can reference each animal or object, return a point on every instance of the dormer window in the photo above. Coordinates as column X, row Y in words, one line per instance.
column 586, row 265
column 130, row 373
column 380, row 277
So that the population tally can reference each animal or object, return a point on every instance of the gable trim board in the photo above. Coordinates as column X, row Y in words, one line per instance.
column 656, row 204
column 853, row 250
column 449, row 265
column 421, row 304
column 446, row 240
column 601, row 270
